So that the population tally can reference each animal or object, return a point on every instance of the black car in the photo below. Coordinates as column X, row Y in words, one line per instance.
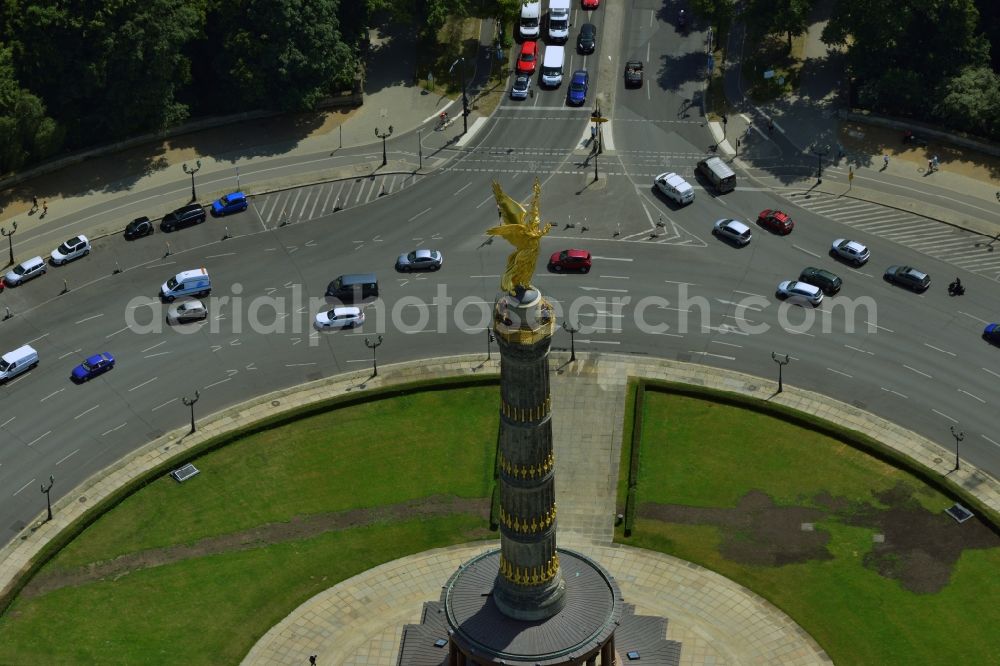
column 587, row 41
column 137, row 228
column 909, row 277
column 633, row 74
column 825, row 280
column 183, row 217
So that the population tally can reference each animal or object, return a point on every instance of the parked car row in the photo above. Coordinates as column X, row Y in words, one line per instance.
column 552, row 63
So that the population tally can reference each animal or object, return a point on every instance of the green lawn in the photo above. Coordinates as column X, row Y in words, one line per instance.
column 212, row 609
column 704, row 454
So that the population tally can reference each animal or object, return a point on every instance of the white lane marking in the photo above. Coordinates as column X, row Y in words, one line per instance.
column 860, row 350
column 298, row 365
column 7, row 421
column 741, row 306
column 943, row 351
column 455, row 193
column 702, row 353
column 615, row 277
column 153, row 347
column 224, row 254
column 483, row 276
column 39, row 438
column 690, row 284
column 89, row 318
column 223, row 381
column 944, row 415
column 166, row 263
column 119, row 427
column 86, row 412
column 881, row 328
column 728, row 344
column 612, row 258
column 794, row 332
column 673, row 335
column 148, row 381
column 51, row 394
column 726, row 329
column 43, row 335
column 974, row 397
column 360, row 360
column 981, row 321
column 990, row 440
column 143, row 305
column 600, row 342
column 109, row 335
column 485, row 201
column 426, row 210
column 156, row 354
column 67, row 456
column 917, row 371
column 991, row 372
column 748, row 293
column 888, row 390
column 802, row 249
column 164, row 404
column 22, row 488
column 841, row 373
column 75, row 351
column 617, row 291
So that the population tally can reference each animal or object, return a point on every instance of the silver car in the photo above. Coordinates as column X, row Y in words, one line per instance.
column 24, row 271
column 850, row 251
column 348, row 317
column 733, row 231
column 799, row 292
column 419, row 260
column 521, row 88
column 74, row 248
column 193, row 310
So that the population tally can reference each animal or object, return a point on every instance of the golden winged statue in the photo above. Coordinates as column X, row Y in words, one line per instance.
column 521, row 229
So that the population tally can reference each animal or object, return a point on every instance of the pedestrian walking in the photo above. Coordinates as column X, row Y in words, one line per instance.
column 45, row 208
column 885, row 162
column 770, row 126
column 34, row 204
column 312, row 660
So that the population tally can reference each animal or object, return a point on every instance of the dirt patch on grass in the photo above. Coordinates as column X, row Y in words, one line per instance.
column 298, row 528
column 918, row 548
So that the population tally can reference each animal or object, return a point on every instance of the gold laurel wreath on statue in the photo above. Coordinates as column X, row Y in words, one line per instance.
column 521, row 228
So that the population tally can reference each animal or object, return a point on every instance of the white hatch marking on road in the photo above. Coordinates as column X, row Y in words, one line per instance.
column 615, row 277
column 612, row 258
column 148, row 381
column 156, row 354
column 971, row 395
column 232, row 371
column 298, row 365
column 90, row 317
column 917, row 371
column 863, row 351
column 703, row 353
column 426, row 210
column 748, row 293
column 726, row 329
column 7, row 421
column 881, row 328
column 111, row 335
column 85, row 412
column 216, row 256
column 67, row 456
column 728, row 344
column 221, row 381
column 164, row 404
column 153, row 347
column 673, row 335
column 981, row 321
column 617, row 291
column 794, row 332
column 39, row 438
column 841, row 373
column 944, row 415
column 52, row 394
column 43, row 335
column 250, row 366
column 118, row 427
column 75, row 351
column 991, row 372
column 990, row 440
column 889, row 390
column 943, row 351
column 802, row 249
column 22, row 488
column 690, row 284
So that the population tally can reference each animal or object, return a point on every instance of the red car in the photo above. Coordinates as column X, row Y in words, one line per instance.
column 776, row 221
column 528, row 59
column 591, row 4
column 570, row 260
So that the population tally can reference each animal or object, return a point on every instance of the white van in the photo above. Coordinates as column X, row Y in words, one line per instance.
column 14, row 363
column 558, row 20
column 187, row 283
column 531, row 14
column 552, row 66
column 675, row 187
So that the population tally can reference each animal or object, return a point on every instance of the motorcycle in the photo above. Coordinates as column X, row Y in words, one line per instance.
column 956, row 288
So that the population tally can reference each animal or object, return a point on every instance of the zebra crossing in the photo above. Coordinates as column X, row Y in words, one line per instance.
column 963, row 249
column 307, row 203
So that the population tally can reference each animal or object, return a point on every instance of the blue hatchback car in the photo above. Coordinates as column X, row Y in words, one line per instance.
column 577, row 94
column 235, row 202
column 95, row 365
column 992, row 334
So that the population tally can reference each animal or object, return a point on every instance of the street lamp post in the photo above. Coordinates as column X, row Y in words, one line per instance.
column 48, row 500
column 420, row 149
column 10, row 239
column 820, row 153
column 959, row 436
column 572, row 339
column 190, row 403
column 373, row 345
column 384, row 136
column 465, row 99
column 192, row 172
column 781, row 363
column 489, row 343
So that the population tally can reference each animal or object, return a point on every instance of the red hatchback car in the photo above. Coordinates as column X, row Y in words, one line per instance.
column 528, row 60
column 570, row 260
column 776, row 221
column 591, row 4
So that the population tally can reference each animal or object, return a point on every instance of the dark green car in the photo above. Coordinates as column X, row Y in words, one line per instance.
column 825, row 280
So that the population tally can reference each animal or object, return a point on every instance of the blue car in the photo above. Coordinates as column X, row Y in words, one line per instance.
column 93, row 366
column 992, row 334
column 577, row 94
column 231, row 203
